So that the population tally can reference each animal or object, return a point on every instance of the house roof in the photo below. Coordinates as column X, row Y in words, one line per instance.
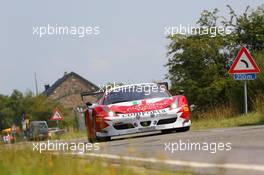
column 50, row 90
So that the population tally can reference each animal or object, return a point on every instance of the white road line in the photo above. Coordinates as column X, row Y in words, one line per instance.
column 177, row 162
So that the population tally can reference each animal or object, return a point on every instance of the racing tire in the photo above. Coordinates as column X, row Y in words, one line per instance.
column 103, row 139
column 92, row 138
column 99, row 139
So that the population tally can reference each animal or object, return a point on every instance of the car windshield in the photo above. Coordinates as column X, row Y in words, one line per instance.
column 133, row 93
column 42, row 125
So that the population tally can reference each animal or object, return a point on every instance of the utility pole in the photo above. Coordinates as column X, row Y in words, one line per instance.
column 36, row 83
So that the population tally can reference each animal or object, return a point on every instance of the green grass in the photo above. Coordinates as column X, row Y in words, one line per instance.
column 71, row 135
column 225, row 116
column 14, row 161
column 17, row 161
column 254, row 118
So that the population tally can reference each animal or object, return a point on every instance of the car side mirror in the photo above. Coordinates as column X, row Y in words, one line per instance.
column 192, row 107
column 181, row 92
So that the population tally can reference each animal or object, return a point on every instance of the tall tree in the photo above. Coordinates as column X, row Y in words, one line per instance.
column 198, row 64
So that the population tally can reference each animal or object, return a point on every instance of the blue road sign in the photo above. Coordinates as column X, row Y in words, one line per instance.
column 252, row 76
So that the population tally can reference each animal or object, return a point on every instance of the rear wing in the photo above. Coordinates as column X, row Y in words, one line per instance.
column 91, row 97
column 164, row 84
column 84, row 94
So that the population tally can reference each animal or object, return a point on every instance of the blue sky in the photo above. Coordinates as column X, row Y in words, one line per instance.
column 131, row 46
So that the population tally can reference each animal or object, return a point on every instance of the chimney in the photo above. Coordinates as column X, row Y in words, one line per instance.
column 47, row 86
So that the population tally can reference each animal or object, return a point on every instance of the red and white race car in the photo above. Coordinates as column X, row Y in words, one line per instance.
column 136, row 108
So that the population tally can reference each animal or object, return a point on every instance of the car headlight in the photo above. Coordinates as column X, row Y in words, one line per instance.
column 174, row 104
column 111, row 114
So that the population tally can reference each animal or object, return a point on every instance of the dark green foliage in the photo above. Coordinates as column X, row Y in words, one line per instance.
column 35, row 108
column 198, row 64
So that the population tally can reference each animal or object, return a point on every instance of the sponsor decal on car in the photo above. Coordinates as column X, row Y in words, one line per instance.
column 135, row 103
column 149, row 106
column 150, row 113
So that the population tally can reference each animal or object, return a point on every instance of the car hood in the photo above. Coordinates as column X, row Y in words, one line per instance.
column 141, row 105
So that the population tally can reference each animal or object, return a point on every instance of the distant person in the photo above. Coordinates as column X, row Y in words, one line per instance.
column 24, row 128
column 4, row 138
column 8, row 138
column 27, row 127
column 14, row 131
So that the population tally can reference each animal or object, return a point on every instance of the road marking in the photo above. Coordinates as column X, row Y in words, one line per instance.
column 176, row 162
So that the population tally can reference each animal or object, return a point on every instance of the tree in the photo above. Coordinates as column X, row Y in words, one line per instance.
column 35, row 108
column 198, row 64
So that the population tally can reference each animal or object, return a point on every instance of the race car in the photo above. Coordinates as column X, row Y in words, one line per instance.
column 136, row 108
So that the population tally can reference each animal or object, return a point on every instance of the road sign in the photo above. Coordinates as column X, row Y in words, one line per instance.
column 243, row 63
column 57, row 115
column 244, row 68
column 245, row 76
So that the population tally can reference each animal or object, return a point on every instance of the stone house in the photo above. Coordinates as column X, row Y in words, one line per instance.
column 67, row 90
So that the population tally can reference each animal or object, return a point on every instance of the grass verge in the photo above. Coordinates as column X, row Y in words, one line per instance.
column 71, row 135
column 254, row 118
column 15, row 161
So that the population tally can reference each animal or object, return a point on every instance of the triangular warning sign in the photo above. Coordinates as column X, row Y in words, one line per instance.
column 243, row 63
column 57, row 115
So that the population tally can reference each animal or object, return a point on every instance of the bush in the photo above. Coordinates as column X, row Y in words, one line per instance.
column 258, row 104
column 13, row 107
column 220, row 112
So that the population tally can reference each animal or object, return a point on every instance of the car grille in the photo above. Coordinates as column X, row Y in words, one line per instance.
column 145, row 123
column 123, row 126
column 166, row 121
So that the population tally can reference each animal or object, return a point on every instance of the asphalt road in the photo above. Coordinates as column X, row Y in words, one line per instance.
column 242, row 152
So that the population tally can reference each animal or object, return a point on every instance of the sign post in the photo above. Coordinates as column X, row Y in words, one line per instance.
column 245, row 97
column 244, row 68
